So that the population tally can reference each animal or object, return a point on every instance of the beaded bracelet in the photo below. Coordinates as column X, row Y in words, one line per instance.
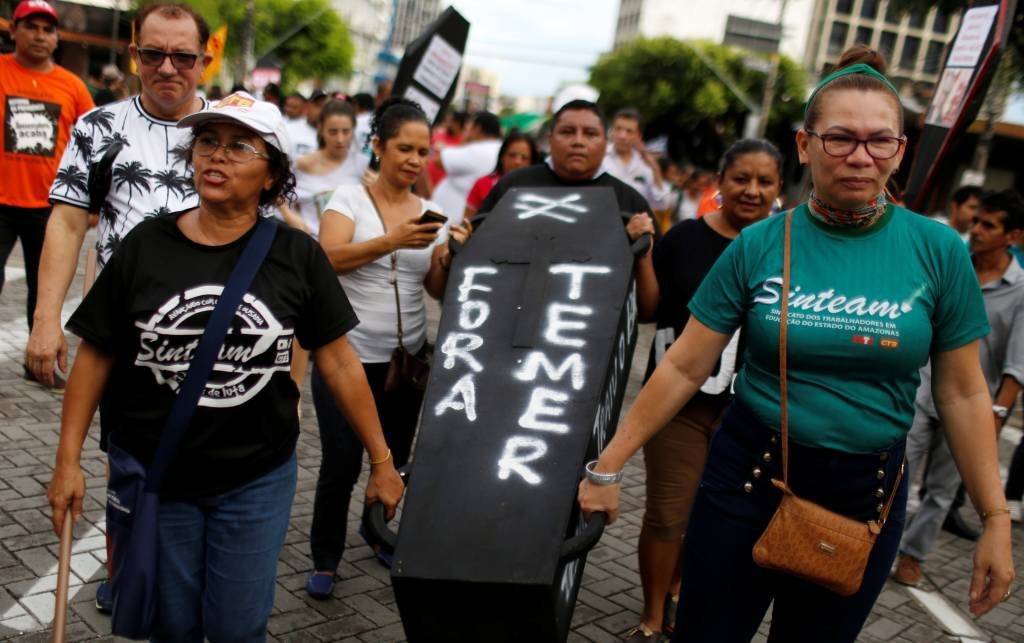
column 985, row 515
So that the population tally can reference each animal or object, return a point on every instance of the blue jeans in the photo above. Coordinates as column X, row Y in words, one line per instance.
column 724, row 594
column 218, row 561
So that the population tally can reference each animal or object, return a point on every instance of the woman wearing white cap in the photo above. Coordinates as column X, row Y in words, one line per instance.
column 226, row 498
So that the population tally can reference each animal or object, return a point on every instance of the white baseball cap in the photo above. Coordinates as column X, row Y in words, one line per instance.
column 245, row 109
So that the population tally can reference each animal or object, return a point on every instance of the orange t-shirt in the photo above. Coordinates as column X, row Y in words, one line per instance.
column 39, row 110
column 709, row 202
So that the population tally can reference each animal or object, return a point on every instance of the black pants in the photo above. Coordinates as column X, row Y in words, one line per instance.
column 342, row 457
column 1015, row 477
column 28, row 224
column 725, row 594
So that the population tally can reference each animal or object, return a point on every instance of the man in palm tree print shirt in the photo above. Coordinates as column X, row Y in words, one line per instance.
column 41, row 102
column 148, row 174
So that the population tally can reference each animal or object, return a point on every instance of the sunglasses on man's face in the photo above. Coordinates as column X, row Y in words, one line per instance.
column 155, row 57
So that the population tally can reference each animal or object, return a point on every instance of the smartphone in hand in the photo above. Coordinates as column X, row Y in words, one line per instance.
column 433, row 217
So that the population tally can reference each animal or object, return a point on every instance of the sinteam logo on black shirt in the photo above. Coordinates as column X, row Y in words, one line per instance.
column 256, row 346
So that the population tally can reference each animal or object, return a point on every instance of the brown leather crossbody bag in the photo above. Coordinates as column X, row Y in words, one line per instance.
column 804, row 539
column 405, row 368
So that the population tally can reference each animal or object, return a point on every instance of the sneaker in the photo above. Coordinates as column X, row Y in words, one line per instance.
column 640, row 634
column 908, row 571
column 104, row 598
column 320, row 585
column 1015, row 512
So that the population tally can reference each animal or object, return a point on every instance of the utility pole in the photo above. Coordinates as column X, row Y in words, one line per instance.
column 995, row 104
column 294, row 30
column 114, row 29
column 249, row 40
column 773, row 76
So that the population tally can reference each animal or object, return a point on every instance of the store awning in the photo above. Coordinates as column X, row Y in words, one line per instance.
column 524, row 121
column 78, row 37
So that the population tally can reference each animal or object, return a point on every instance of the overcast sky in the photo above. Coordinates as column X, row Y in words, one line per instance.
column 536, row 45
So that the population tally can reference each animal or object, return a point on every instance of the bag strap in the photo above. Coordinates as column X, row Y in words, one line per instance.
column 100, row 177
column 783, row 389
column 783, row 325
column 393, row 275
column 199, row 369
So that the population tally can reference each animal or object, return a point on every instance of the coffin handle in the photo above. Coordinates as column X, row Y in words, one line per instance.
column 584, row 541
column 375, row 521
column 639, row 247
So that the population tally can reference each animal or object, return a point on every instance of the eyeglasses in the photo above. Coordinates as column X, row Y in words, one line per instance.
column 880, row 148
column 236, row 151
column 155, row 57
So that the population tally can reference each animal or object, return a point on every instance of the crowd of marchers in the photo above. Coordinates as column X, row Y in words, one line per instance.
column 901, row 335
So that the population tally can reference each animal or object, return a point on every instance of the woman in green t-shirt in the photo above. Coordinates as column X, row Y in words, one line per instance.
column 875, row 291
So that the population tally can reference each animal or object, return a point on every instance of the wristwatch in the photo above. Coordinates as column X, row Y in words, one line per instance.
column 601, row 479
column 1001, row 411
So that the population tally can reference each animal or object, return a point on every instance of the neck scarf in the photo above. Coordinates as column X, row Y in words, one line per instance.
column 857, row 218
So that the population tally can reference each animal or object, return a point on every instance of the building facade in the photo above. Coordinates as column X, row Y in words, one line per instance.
column 478, row 89
column 751, row 24
column 368, row 22
column 411, row 18
column 913, row 44
column 89, row 38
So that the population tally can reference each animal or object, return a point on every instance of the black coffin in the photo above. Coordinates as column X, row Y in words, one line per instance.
column 533, row 352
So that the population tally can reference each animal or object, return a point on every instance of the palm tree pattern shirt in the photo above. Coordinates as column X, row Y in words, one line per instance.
column 150, row 175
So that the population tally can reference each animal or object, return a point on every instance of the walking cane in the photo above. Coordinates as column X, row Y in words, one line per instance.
column 60, row 612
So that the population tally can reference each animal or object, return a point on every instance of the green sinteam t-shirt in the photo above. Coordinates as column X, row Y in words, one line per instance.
column 867, row 308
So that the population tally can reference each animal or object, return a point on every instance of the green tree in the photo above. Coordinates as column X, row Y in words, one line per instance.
column 675, row 86
column 320, row 48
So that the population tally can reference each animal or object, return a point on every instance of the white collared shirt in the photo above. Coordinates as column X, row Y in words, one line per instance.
column 637, row 174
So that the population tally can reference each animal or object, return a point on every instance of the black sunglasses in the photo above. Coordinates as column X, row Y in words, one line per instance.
column 156, row 57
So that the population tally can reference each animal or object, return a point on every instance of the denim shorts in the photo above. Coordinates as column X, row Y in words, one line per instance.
column 724, row 594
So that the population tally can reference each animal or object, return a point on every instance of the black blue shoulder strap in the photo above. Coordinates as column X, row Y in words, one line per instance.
column 210, row 344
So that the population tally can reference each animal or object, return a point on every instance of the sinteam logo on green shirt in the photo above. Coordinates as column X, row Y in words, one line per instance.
column 866, row 310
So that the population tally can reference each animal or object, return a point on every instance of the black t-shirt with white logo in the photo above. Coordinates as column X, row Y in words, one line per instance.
column 682, row 259
column 149, row 307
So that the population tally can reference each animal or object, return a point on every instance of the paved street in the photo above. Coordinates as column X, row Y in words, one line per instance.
column 363, row 607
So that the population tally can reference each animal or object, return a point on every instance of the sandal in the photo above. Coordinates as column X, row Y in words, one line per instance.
column 640, row 634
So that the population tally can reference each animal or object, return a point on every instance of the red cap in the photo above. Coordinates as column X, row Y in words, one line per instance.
column 33, row 8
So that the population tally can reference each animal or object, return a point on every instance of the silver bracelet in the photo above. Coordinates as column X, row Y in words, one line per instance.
column 601, row 479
